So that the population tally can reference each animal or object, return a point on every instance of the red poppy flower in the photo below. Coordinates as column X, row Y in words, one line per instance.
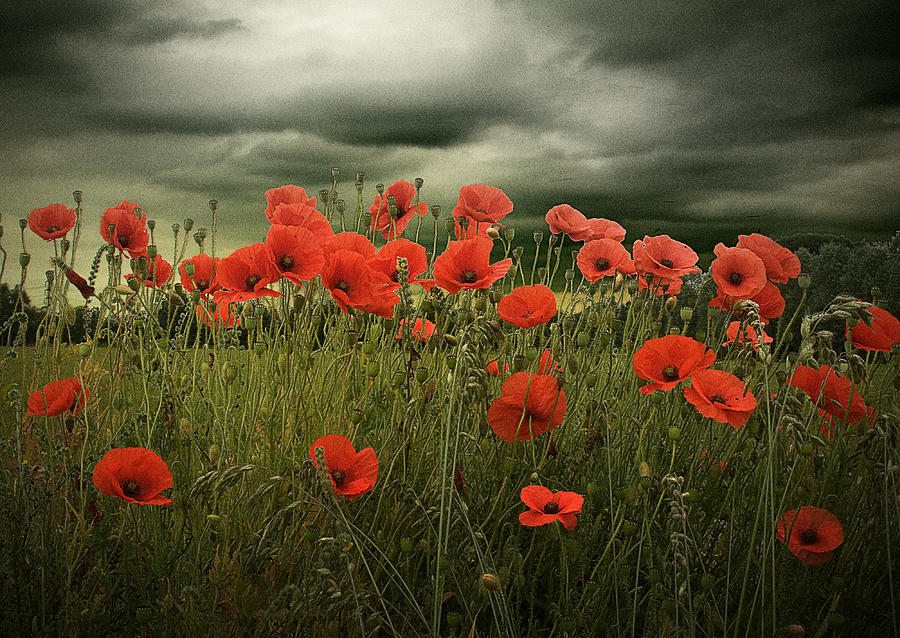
column 600, row 258
column 528, row 306
column 404, row 199
column 721, row 396
column 385, row 261
column 157, row 273
column 480, row 203
column 547, row 365
column 833, row 393
column 769, row 299
column 52, row 222
column 880, row 336
column 493, row 367
column 566, row 219
column 668, row 360
column 295, row 251
column 223, row 316
column 204, row 278
column 288, row 194
column 134, row 474
column 546, row 507
column 79, row 282
column 422, row 329
column 353, row 283
column 351, row 241
column 466, row 264
column 601, row 228
column 810, row 533
column 738, row 272
column 245, row 273
column 664, row 257
column 130, row 229
column 780, row 262
column 352, row 473
column 304, row 215
column 746, row 335
column 529, row 405
column 65, row 395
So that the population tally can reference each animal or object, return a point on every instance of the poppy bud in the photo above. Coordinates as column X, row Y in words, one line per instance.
column 629, row 529
column 594, row 491
column 489, row 582
column 493, row 233
column 671, row 302
column 24, row 260
column 512, row 271
column 803, row 281
column 519, row 363
column 582, row 339
column 406, row 545
column 534, row 477
column 214, row 453
column 480, row 304
column 590, row 379
column 84, row 351
column 436, row 211
column 531, row 354
column 64, row 245
column 372, row 369
column 674, row 433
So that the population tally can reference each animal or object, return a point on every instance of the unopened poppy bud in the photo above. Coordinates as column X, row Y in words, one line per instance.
column 462, row 316
column 534, row 477
column 495, row 296
column 619, row 281
column 24, row 259
column 582, row 339
column 23, row 224
column 493, row 233
column 84, row 351
column 671, row 302
column 64, row 245
column 674, row 434
column 152, row 251
column 519, row 362
column 214, row 453
column 803, row 280
column 590, row 379
column 450, row 340
column 406, row 545
column 249, row 323
column 512, row 271
column 687, row 313
column 373, row 369
column 793, row 631
column 449, row 225
column 480, row 304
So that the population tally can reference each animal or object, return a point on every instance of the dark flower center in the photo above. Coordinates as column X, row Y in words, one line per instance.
column 123, row 241
column 343, row 284
column 808, row 537
column 601, row 264
column 53, row 229
column 399, row 212
column 468, row 277
column 551, row 508
column 130, row 488
column 735, row 278
column 252, row 280
column 717, row 398
column 287, row 262
column 670, row 373
column 202, row 284
column 668, row 263
column 338, row 477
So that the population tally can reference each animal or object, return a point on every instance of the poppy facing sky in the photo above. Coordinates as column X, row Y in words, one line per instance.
column 546, row 506
column 51, row 222
column 666, row 361
column 528, row 306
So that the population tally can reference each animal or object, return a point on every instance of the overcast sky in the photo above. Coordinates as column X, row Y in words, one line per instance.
column 696, row 119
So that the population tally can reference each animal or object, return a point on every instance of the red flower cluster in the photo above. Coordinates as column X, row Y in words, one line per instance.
column 666, row 361
column 482, row 204
column 565, row 219
column 746, row 335
column 880, row 336
column 545, row 506
column 65, row 395
column 810, row 533
column 529, row 405
column 422, row 329
column 157, row 272
column 203, row 278
column 405, row 208
column 528, row 306
column 738, row 272
column 134, row 474
column 351, row 473
column 52, row 222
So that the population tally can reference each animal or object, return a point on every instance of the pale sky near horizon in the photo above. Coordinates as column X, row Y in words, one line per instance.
column 696, row 119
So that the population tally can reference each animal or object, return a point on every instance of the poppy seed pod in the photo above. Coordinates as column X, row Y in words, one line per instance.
column 152, row 251
column 803, row 281
column 687, row 313
column 436, row 211
column 23, row 224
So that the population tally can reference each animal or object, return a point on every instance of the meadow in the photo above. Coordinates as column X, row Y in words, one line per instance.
column 337, row 431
